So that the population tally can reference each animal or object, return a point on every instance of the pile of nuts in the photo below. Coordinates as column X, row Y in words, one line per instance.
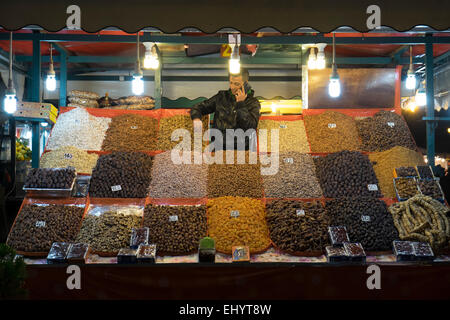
column 170, row 180
column 347, row 174
column 236, row 221
column 79, row 129
column 59, row 178
column 296, row 178
column 291, row 136
column 131, row 132
column 121, row 175
column 38, row 226
column 406, row 187
column 109, row 231
column 82, row 161
column 175, row 229
column 367, row 221
column 236, row 179
column 297, row 226
column 383, row 131
column 332, row 132
column 385, row 162
column 169, row 124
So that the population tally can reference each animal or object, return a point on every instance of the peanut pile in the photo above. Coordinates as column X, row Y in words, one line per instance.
column 69, row 156
column 291, row 136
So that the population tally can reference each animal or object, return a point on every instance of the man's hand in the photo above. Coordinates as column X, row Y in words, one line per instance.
column 241, row 95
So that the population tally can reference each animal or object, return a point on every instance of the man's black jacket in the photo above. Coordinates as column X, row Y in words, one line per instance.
column 229, row 114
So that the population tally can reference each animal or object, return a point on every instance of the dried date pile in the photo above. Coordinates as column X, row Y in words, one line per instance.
column 367, row 221
column 121, row 175
column 347, row 174
column 57, row 178
column 38, row 226
column 175, row 229
column 383, row 131
column 297, row 226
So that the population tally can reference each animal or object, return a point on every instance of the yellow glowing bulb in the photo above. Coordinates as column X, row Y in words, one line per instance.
column 448, row 130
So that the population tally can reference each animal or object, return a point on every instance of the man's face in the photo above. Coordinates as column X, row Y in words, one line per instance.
column 236, row 83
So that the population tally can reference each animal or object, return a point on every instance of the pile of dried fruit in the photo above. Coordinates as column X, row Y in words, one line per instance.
column 82, row 161
column 59, row 178
column 406, row 187
column 291, row 136
column 236, row 221
column 175, row 229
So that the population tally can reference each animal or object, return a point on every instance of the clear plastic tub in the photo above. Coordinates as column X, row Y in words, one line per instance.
column 58, row 252
column 338, row 235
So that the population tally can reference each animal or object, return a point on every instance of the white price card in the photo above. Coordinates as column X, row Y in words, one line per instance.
column 68, row 156
column 234, row 213
column 40, row 224
column 365, row 218
column 332, row 125
column 372, row 187
column 283, row 126
column 391, row 124
column 173, row 218
column 300, row 212
column 116, row 188
column 134, row 127
column 289, row 160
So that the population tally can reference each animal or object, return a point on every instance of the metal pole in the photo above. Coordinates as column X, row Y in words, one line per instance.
column 36, row 97
column 35, row 145
column 158, row 83
column 431, row 125
column 63, row 79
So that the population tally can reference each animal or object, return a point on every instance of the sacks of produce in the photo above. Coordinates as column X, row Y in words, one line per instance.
column 82, row 99
column 83, row 94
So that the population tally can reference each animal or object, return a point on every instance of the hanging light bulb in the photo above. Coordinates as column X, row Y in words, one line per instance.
column 320, row 60
column 151, row 60
column 10, row 101
column 334, row 86
column 312, row 61
column 50, row 82
column 411, row 77
column 234, row 63
column 137, row 84
column 421, row 96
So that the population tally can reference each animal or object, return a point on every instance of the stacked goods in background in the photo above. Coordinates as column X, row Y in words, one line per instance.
column 121, row 175
column 332, row 132
column 79, row 129
column 298, row 227
column 178, row 180
column 131, row 132
column 69, row 156
column 241, row 178
column 238, row 221
column 384, row 131
column 295, row 178
column 83, row 99
column 127, row 103
column 385, row 162
column 291, row 136
column 168, row 124
column 175, row 229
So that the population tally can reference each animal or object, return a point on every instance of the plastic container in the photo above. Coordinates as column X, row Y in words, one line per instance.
column 423, row 251
column 146, row 253
column 81, row 187
column 58, row 252
column 338, row 235
column 78, row 253
column 126, row 256
column 241, row 254
column 355, row 252
column 403, row 250
column 138, row 237
column 206, row 255
column 335, row 254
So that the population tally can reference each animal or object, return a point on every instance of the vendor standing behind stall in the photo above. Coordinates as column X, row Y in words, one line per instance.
column 236, row 108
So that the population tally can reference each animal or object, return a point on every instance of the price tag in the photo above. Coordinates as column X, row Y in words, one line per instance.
column 365, row 218
column 300, row 212
column 332, row 125
column 134, row 127
column 40, row 224
column 116, row 188
column 283, row 126
column 289, row 160
column 391, row 124
column 173, row 218
column 372, row 187
column 234, row 213
column 67, row 156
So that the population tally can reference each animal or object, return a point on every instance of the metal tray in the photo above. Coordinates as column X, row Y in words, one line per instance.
column 50, row 193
